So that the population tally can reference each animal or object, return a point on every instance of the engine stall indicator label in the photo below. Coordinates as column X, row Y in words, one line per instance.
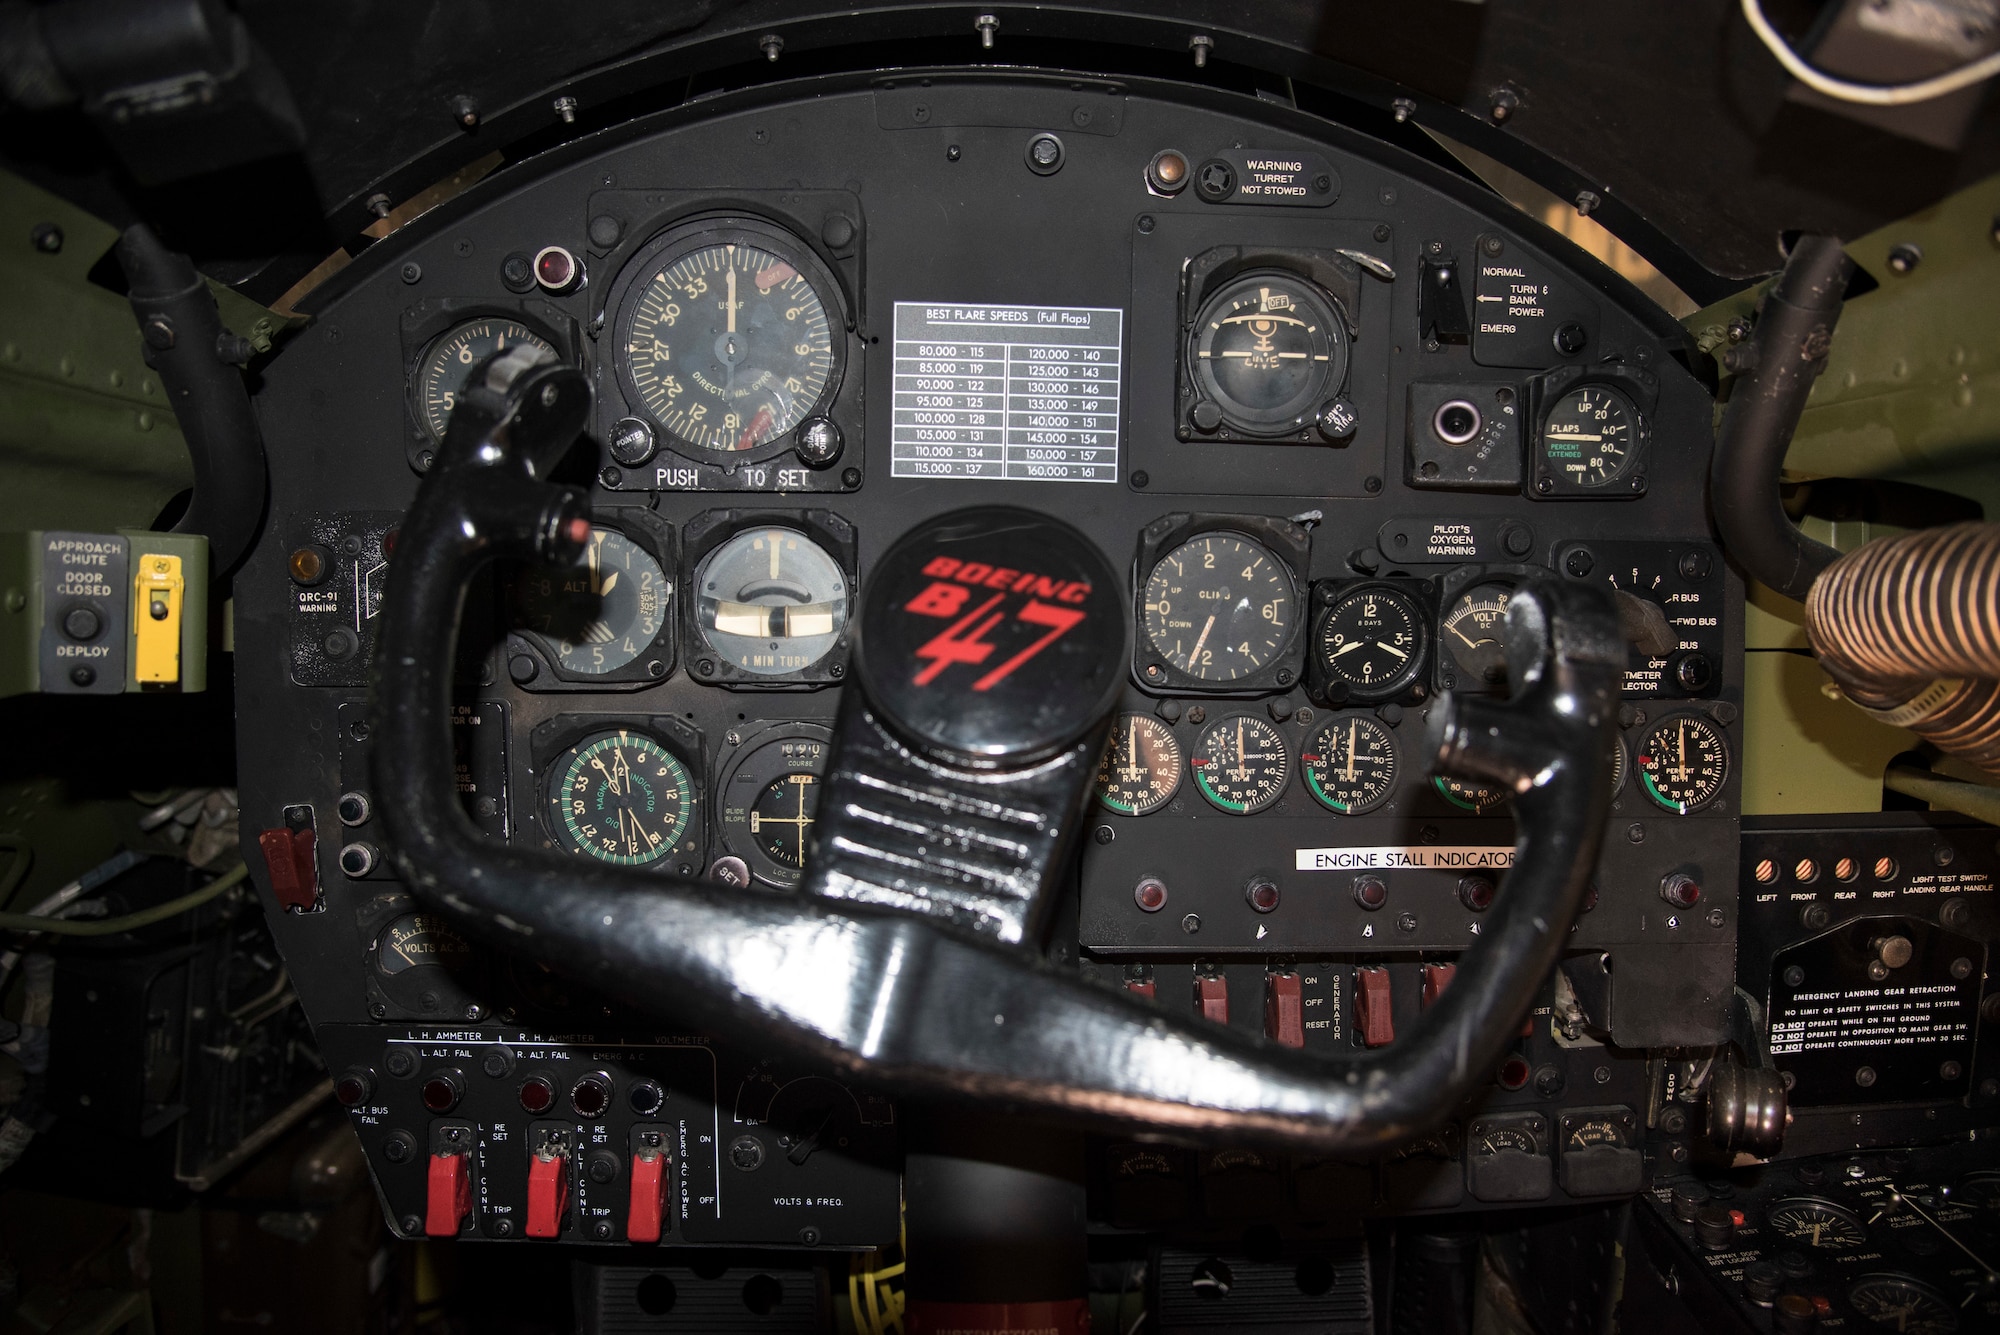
column 1408, row 857
column 1028, row 393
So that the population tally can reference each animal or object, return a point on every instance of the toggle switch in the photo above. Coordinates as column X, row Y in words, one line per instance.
column 448, row 1195
column 1372, row 1018
column 649, row 1194
column 1285, row 1009
column 548, row 1191
column 1437, row 977
column 1211, row 997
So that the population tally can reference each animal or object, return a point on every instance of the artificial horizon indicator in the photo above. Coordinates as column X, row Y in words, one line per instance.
column 1268, row 350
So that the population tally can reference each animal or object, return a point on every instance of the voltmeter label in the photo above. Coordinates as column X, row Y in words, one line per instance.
column 1028, row 393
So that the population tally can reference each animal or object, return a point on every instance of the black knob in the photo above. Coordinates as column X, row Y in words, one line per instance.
column 354, row 808
column 1715, row 1227
column 82, row 623
column 358, row 859
column 1694, row 672
column 819, row 442
column 1207, row 416
column 442, row 1091
column 1688, row 1200
column 631, row 441
column 400, row 1062
column 602, row 1166
column 1571, row 338
column 356, row 1083
column 498, row 1062
column 1761, row 1283
column 1370, row 893
column 399, row 1147
column 645, row 1098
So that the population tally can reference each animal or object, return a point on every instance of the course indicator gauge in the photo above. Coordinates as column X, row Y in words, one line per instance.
column 1022, row 392
column 619, row 797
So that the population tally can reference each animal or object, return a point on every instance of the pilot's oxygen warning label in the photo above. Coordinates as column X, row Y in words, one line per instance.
column 1022, row 392
column 1411, row 857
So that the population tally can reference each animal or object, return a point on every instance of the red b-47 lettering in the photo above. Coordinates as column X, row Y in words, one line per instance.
column 964, row 641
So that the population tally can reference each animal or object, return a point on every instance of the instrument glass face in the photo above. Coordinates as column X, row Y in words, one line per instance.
column 1269, row 349
column 1467, row 796
column 1141, row 769
column 1475, row 629
column 771, row 601
column 1240, row 764
column 441, row 374
column 1816, row 1223
column 419, row 941
column 1901, row 1304
column 1591, row 436
column 1372, row 641
column 727, row 346
column 599, row 613
column 619, row 797
column 1220, row 607
column 1350, row 765
column 1683, row 763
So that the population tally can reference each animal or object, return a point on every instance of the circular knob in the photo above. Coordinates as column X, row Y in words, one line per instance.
column 358, row 859
column 1370, row 893
column 1261, row 894
column 1893, row 951
column 1150, row 894
column 1715, row 1227
column 1761, row 1283
column 442, row 1091
column 1689, row 1197
column 819, row 443
column 602, row 1167
column 631, row 442
column 399, row 1147
column 645, row 1098
column 356, row 1083
column 82, row 623
column 1680, row 890
column 354, row 809
column 1694, row 672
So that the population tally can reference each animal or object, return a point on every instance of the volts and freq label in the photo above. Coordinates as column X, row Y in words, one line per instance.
column 1026, row 393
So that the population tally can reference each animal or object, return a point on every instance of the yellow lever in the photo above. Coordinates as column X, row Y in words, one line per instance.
column 156, row 618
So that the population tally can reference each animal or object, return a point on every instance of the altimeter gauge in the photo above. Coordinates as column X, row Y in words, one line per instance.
column 598, row 613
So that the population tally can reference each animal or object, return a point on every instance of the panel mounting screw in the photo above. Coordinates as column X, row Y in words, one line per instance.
column 1587, row 201
column 1502, row 103
column 1905, row 257
column 771, row 45
column 1404, row 108
column 988, row 26
column 1201, row 44
column 465, row 111
column 47, row 238
column 378, row 204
